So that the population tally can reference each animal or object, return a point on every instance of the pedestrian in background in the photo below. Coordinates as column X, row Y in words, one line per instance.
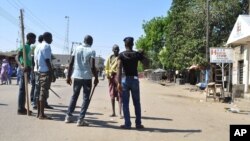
column 10, row 71
column 4, row 72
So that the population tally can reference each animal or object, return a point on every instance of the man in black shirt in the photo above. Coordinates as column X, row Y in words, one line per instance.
column 128, row 62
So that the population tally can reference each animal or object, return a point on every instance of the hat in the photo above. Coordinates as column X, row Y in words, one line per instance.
column 128, row 39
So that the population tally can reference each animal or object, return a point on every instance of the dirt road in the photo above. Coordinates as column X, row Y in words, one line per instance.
column 169, row 113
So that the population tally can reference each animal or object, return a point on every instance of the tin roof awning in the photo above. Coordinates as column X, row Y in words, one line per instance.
column 241, row 31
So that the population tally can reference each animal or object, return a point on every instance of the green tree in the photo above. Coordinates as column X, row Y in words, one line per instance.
column 178, row 40
column 153, row 41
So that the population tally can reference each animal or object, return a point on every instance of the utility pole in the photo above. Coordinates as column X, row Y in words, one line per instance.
column 17, row 45
column 207, row 32
column 248, row 7
column 25, row 63
column 66, row 41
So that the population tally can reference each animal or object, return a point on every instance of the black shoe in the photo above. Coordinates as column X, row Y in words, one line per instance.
column 23, row 112
column 139, row 127
column 125, row 127
column 48, row 107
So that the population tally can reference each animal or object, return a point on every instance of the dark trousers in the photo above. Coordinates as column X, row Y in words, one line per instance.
column 21, row 94
column 77, row 86
column 131, row 85
column 32, row 91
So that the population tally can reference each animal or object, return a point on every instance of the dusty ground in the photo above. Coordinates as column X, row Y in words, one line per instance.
column 169, row 112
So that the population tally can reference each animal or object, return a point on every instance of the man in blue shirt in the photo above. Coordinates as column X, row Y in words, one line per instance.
column 35, row 89
column 83, row 62
column 45, row 71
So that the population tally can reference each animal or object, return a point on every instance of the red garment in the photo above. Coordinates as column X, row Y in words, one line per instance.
column 113, row 91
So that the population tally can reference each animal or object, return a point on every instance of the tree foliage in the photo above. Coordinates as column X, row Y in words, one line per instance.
column 178, row 40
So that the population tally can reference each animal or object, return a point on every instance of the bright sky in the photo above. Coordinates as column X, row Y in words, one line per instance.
column 107, row 21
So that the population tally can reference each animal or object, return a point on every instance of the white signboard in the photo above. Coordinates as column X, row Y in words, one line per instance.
column 221, row 55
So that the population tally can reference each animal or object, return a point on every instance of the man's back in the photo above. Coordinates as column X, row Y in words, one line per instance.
column 82, row 66
column 130, row 62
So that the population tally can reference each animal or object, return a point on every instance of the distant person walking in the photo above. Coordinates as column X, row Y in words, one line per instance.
column 31, row 39
column 10, row 71
column 66, row 72
column 4, row 71
column 83, row 61
column 111, row 72
column 128, row 62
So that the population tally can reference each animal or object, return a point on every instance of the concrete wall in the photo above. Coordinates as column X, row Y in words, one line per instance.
column 238, row 56
column 235, row 69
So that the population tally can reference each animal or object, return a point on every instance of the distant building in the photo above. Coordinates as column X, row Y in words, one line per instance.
column 60, row 60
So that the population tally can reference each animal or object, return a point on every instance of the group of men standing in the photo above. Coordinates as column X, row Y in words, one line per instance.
column 121, row 70
column 41, row 64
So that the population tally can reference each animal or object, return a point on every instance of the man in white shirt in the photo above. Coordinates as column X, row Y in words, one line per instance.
column 83, row 61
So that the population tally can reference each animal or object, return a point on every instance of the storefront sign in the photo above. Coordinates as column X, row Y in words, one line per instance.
column 221, row 55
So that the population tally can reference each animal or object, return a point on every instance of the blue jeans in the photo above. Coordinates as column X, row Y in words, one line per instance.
column 77, row 85
column 32, row 91
column 131, row 84
column 21, row 95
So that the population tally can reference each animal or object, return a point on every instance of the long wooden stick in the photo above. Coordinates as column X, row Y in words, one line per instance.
column 25, row 63
column 90, row 97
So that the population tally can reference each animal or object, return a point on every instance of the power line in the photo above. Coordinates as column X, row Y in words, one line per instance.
column 16, row 7
column 34, row 19
column 39, row 20
column 8, row 16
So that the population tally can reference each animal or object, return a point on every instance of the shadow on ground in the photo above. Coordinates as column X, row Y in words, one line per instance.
column 106, row 124
column 1, row 104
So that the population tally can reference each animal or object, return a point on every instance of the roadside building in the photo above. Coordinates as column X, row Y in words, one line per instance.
column 60, row 60
column 239, row 40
